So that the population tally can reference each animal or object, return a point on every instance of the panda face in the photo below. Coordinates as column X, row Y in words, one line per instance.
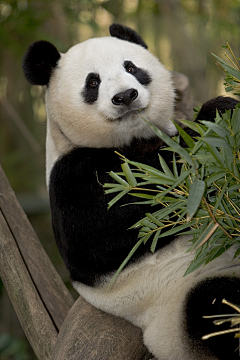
column 101, row 89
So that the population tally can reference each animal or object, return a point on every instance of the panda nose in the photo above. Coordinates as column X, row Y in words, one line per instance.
column 125, row 98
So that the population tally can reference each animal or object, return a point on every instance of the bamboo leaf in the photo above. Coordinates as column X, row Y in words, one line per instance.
column 175, row 170
column 176, row 229
column 215, row 141
column 155, row 240
column 204, row 235
column 196, row 192
column 237, row 253
column 187, row 138
column 194, row 265
column 118, row 179
column 219, row 250
column 136, row 246
column 220, row 196
column 218, row 129
column 190, row 124
column 129, row 175
column 165, row 167
column 118, row 197
column 175, row 146
column 149, row 224
column 211, row 179
column 216, row 154
column 154, row 219
column 146, row 237
column 235, row 120
column 228, row 68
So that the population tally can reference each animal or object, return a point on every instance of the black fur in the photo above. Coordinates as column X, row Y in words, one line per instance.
column 125, row 33
column 140, row 74
column 206, row 299
column 209, row 109
column 39, row 61
column 220, row 103
column 93, row 240
column 90, row 91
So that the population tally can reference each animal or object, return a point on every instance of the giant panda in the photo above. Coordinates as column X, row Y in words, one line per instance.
column 96, row 95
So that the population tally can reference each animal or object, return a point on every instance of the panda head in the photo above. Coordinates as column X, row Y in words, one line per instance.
column 99, row 90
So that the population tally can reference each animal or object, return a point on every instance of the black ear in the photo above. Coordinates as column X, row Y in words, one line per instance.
column 220, row 103
column 39, row 61
column 125, row 33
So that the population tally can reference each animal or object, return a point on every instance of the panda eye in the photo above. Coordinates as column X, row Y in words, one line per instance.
column 131, row 69
column 93, row 83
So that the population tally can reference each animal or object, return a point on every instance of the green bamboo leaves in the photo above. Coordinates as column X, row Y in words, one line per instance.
column 232, row 79
column 198, row 193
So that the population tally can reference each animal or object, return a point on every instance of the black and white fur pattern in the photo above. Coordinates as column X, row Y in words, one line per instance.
column 96, row 95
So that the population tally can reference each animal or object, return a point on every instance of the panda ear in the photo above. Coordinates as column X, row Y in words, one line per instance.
column 125, row 33
column 39, row 61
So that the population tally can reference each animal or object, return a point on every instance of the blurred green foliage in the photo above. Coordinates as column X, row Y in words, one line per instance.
column 13, row 348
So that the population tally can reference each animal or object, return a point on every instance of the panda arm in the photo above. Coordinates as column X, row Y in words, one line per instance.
column 92, row 240
column 208, row 112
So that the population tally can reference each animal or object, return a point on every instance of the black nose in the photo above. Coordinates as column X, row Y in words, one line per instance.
column 125, row 98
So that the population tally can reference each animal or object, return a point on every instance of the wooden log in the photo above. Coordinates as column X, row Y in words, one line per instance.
column 88, row 333
column 32, row 314
column 53, row 292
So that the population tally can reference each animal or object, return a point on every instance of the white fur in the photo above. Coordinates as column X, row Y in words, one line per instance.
column 151, row 295
column 71, row 122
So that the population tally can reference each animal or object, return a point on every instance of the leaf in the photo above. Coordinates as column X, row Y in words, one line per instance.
column 155, row 240
column 220, row 196
column 204, row 235
column 175, row 170
column 195, row 264
column 149, row 224
column 136, row 246
column 165, row 167
column 229, row 69
column 117, row 188
column 118, row 197
column 187, row 138
column 154, row 219
column 216, row 176
column 144, row 196
column 219, row 250
column 215, row 141
column 217, row 155
column 237, row 253
column 175, row 146
column 235, row 121
column 129, row 175
column 118, row 179
column 218, row 129
column 190, row 124
column 176, row 229
column 196, row 192
column 162, row 213
column 146, row 237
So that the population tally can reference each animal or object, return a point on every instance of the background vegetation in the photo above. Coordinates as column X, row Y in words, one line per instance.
column 182, row 33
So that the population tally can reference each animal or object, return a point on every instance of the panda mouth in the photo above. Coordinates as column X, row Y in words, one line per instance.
column 129, row 113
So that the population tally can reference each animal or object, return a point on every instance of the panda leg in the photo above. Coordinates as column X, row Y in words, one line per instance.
column 205, row 299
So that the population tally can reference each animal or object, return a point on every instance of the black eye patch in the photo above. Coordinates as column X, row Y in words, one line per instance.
column 140, row 74
column 90, row 91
